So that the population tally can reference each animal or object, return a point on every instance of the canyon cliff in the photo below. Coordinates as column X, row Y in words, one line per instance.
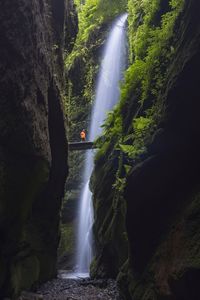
column 146, row 177
column 33, row 144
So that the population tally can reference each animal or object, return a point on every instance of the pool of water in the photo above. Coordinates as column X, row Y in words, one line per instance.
column 63, row 274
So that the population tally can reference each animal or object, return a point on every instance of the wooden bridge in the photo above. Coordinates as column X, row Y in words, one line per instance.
column 81, row 146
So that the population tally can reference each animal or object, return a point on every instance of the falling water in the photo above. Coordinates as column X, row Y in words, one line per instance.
column 107, row 94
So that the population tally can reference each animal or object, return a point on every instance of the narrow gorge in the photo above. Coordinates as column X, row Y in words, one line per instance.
column 126, row 71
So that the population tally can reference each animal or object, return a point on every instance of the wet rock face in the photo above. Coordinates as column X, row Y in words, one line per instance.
column 163, row 191
column 33, row 146
column 109, row 226
column 71, row 25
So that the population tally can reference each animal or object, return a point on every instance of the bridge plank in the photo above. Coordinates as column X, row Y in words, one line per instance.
column 81, row 146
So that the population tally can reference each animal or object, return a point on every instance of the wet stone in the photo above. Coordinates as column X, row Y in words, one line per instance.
column 83, row 289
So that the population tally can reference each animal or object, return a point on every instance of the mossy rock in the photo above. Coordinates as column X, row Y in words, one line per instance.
column 67, row 241
column 24, row 273
column 47, row 266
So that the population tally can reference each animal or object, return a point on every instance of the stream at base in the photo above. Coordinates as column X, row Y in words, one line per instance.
column 63, row 274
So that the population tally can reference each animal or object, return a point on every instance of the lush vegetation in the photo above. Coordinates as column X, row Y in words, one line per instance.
column 82, row 64
column 151, row 32
column 129, row 129
column 92, row 15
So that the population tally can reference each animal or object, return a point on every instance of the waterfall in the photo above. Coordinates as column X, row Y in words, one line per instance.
column 107, row 95
column 111, row 72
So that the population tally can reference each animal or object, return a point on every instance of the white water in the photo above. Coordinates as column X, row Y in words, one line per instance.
column 107, row 95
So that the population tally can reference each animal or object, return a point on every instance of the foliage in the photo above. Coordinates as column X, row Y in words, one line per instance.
column 84, row 59
column 96, row 12
column 141, row 127
column 92, row 15
column 82, row 65
column 152, row 47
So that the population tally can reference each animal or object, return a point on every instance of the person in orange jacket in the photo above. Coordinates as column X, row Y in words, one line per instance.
column 83, row 135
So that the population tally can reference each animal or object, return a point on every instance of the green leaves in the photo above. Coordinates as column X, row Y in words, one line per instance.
column 141, row 129
column 141, row 123
column 92, row 14
column 95, row 12
column 150, row 41
column 130, row 150
column 119, row 184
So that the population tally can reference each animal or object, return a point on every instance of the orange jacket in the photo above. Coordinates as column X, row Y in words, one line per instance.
column 83, row 135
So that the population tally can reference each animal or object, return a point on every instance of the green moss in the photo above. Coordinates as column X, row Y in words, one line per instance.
column 178, row 261
column 88, row 92
column 153, row 48
column 82, row 65
column 133, row 287
column 102, row 152
column 110, row 210
column 92, row 15
column 130, row 127
column 24, row 273
column 67, row 242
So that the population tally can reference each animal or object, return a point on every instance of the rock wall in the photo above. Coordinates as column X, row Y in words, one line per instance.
column 71, row 25
column 33, row 145
column 157, row 194
column 162, row 192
